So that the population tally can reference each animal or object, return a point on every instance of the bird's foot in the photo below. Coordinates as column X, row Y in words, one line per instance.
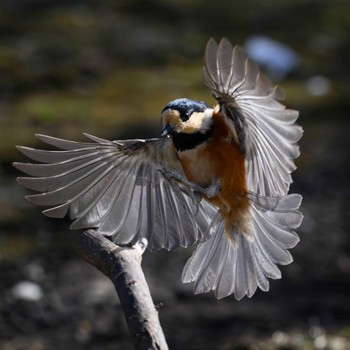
column 211, row 191
column 191, row 189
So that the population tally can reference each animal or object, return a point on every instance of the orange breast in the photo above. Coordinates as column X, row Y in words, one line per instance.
column 221, row 158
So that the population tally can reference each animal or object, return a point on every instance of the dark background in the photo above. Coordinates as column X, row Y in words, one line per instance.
column 108, row 68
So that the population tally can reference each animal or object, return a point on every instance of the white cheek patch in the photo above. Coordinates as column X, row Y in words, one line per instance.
column 199, row 121
column 207, row 119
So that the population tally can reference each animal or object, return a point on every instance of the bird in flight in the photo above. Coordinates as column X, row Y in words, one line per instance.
column 218, row 176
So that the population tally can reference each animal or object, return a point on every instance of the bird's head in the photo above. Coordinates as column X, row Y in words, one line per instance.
column 185, row 116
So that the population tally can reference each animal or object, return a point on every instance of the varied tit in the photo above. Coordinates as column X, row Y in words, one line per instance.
column 218, row 176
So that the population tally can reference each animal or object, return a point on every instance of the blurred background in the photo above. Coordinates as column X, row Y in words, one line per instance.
column 108, row 68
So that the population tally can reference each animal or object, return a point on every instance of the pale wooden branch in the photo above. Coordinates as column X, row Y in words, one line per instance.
column 123, row 266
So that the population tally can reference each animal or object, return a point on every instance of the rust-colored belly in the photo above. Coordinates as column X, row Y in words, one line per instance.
column 220, row 158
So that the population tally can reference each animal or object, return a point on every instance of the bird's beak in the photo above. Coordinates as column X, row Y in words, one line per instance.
column 167, row 130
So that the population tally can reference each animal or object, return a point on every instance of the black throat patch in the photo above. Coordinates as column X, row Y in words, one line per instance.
column 185, row 142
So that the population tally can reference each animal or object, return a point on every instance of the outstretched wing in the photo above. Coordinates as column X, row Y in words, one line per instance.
column 264, row 127
column 118, row 188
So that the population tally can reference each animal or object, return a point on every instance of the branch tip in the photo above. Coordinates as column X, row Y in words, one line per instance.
column 141, row 245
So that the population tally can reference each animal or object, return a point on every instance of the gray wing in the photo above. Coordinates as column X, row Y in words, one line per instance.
column 118, row 188
column 263, row 126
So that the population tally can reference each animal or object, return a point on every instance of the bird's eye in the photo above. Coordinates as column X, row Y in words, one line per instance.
column 185, row 116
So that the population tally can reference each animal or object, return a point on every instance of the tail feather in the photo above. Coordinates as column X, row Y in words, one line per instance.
column 210, row 262
column 241, row 268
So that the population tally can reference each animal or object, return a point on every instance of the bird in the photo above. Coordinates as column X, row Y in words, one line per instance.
column 218, row 176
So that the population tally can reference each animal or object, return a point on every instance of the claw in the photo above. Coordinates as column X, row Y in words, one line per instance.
column 187, row 187
column 169, row 175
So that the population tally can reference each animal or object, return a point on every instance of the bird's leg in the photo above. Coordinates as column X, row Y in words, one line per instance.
column 193, row 190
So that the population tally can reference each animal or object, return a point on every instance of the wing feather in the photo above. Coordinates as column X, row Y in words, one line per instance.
column 118, row 188
column 266, row 129
column 242, row 267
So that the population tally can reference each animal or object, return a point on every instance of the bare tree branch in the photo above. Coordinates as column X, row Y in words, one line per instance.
column 123, row 266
